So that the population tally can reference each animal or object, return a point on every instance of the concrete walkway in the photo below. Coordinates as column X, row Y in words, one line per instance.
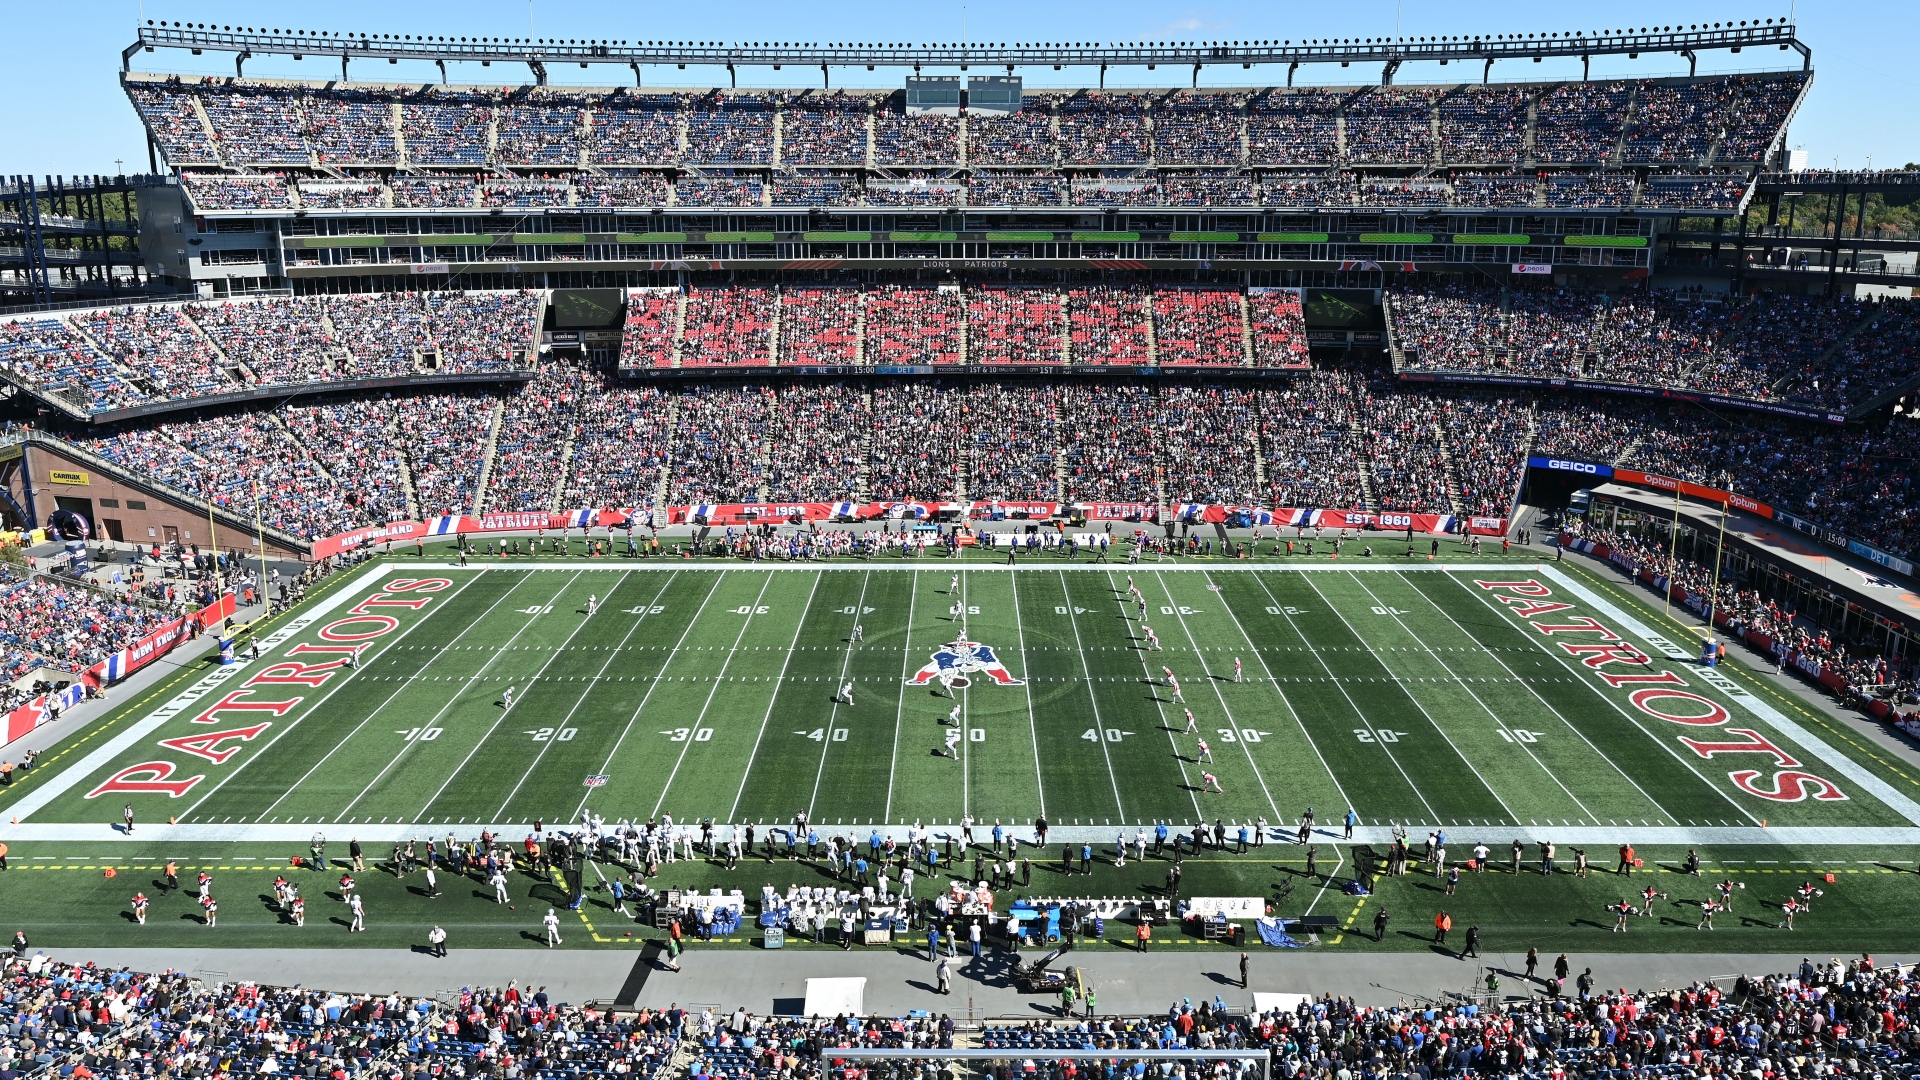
column 1127, row 982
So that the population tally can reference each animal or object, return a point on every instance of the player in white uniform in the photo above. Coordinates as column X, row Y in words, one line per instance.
column 846, row 693
column 953, row 717
column 506, row 699
column 1192, row 724
column 1237, row 675
column 593, row 604
column 552, row 924
column 1206, row 752
column 953, row 743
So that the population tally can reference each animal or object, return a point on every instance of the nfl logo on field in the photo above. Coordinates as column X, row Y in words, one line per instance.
column 598, row 779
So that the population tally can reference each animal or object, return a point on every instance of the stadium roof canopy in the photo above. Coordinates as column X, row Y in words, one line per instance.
column 1688, row 41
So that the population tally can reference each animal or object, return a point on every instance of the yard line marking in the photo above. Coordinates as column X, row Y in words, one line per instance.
column 900, row 706
column 1026, row 679
column 591, row 683
column 1358, row 713
column 1259, row 655
column 718, row 679
column 451, row 698
column 660, row 677
column 1218, row 696
column 1495, row 717
column 404, row 684
column 1100, row 725
column 772, row 700
column 1538, row 697
column 1567, row 662
column 1417, row 703
column 846, row 662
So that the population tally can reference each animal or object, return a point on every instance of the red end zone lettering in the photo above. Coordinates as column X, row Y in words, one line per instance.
column 1715, row 715
column 1597, row 656
column 1789, row 786
column 1527, row 609
column 1523, row 588
column 293, row 671
column 208, row 745
column 1756, row 744
column 381, row 599
column 387, row 624
column 1584, row 624
column 233, row 703
column 155, row 782
column 417, row 585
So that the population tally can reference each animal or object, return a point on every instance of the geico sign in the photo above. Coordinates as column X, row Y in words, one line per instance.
column 1573, row 466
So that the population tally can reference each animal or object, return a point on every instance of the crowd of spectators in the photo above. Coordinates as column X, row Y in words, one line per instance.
column 630, row 189
column 1703, row 191
column 1753, row 126
column 1210, row 438
column 1200, row 325
column 917, row 449
column 653, row 316
column 160, row 348
column 635, row 129
column 447, row 127
column 526, row 193
column 537, row 428
column 1580, row 123
column 167, row 110
column 1405, row 462
column 1109, row 324
column 1011, row 188
column 1494, row 190
column 1547, row 331
column 47, row 352
column 727, row 128
column 824, row 129
column 66, row 627
column 1109, row 452
column 903, row 138
column 719, row 190
column 717, row 452
column 1201, row 188
column 816, row 189
column 539, row 131
column 433, row 192
column 1013, row 324
column 1676, row 121
column 1105, row 129
column 445, row 436
column 818, row 447
column 1391, row 125
column 618, row 449
column 257, row 125
column 1485, row 124
column 359, row 442
column 1012, row 437
column 1590, row 190
column 1313, row 453
column 1278, row 326
column 237, row 191
column 1293, row 127
column 728, row 325
column 914, row 324
column 1197, row 129
column 820, row 325
column 1023, row 137
column 358, row 193
column 1487, row 439
column 351, row 127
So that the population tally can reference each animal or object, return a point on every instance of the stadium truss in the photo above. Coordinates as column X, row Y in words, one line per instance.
column 246, row 42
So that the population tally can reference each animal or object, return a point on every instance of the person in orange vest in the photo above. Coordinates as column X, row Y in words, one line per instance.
column 1142, row 933
column 1626, row 860
column 1442, row 923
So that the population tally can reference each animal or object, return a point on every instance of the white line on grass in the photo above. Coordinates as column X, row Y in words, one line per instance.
column 404, row 684
column 1192, row 794
column 1417, row 703
column 772, row 700
column 586, row 693
column 1100, row 726
column 724, row 664
column 1218, row 696
column 1462, row 683
column 453, row 697
column 833, row 714
column 652, row 684
column 1275, row 683
column 900, row 705
column 1358, row 713
column 1584, row 681
column 1537, row 696
column 1026, row 683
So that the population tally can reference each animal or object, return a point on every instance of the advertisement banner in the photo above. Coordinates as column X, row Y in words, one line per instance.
column 1432, row 524
column 329, row 546
column 1533, row 268
column 1584, row 468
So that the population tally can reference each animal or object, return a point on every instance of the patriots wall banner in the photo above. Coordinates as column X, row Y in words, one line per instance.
column 962, row 658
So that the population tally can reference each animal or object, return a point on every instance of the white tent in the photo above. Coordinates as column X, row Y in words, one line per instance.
column 1264, row 1002
column 836, row 997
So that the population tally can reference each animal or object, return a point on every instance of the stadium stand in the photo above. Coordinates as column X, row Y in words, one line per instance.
column 732, row 325
column 914, row 324
column 824, row 129
column 1011, row 324
column 1198, row 326
column 1012, row 436
column 1109, row 324
column 820, row 326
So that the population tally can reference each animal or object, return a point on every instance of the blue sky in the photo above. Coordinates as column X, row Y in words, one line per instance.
column 61, row 109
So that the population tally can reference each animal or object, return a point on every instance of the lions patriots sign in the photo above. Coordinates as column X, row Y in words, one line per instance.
column 963, row 658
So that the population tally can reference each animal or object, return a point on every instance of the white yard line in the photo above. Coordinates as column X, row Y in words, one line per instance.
column 584, row 694
column 772, row 700
column 369, row 718
column 1462, row 683
column 732, row 651
column 1568, row 663
column 1538, row 697
column 1359, row 714
column 833, row 713
column 652, row 684
column 1262, row 657
column 1218, row 696
column 442, row 711
column 1026, row 684
column 1193, row 794
column 900, row 705
column 1335, row 608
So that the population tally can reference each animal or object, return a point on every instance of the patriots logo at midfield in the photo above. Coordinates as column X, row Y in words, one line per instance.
column 957, row 659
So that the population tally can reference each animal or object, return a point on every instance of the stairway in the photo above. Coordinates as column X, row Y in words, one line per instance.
column 1059, row 455
column 1246, row 330
column 1449, row 470
column 399, row 136
column 1393, row 339
column 661, row 489
column 773, row 327
column 1153, row 341
column 860, row 334
column 395, row 439
column 486, row 461
column 1357, row 437
column 679, row 325
column 863, row 476
column 566, row 460
column 227, row 363
column 305, row 450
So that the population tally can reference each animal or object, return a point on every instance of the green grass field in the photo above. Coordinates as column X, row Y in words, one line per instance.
column 1470, row 697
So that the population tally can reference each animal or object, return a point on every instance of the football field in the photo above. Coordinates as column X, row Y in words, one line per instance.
column 1487, row 698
